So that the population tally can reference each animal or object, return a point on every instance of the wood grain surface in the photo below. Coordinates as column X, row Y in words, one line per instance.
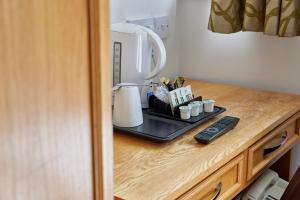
column 45, row 110
column 231, row 176
column 148, row 170
column 101, row 98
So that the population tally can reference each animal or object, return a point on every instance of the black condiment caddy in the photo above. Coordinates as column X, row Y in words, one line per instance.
column 160, row 108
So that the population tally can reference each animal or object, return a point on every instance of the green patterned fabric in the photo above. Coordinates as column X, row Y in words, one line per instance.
column 273, row 17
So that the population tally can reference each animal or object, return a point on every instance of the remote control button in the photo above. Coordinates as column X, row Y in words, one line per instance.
column 220, row 126
column 212, row 129
column 226, row 122
column 204, row 137
column 209, row 134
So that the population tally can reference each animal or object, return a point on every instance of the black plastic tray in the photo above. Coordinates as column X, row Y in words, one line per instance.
column 162, row 128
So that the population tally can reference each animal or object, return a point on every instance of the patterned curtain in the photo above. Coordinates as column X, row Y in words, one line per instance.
column 273, row 17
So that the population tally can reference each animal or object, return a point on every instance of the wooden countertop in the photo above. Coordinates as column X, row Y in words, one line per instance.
column 148, row 170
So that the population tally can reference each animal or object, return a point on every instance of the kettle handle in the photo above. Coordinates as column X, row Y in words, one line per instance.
column 159, row 47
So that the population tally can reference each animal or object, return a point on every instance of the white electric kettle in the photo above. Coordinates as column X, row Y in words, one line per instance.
column 138, row 54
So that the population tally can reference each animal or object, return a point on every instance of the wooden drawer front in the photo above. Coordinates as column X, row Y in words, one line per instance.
column 298, row 126
column 222, row 184
column 271, row 146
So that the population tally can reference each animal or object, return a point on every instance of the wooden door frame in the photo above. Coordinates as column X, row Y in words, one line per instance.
column 101, row 98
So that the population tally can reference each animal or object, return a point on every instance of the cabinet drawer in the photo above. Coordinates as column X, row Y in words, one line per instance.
column 277, row 142
column 222, row 184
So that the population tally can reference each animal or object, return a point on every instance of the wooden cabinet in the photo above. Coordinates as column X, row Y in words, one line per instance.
column 55, row 100
column 274, row 144
column 222, row 184
column 298, row 126
column 230, row 179
column 237, row 174
column 184, row 169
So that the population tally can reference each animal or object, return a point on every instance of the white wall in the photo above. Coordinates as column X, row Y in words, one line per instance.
column 248, row 59
column 124, row 9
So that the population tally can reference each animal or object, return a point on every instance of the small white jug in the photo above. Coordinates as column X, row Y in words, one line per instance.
column 127, row 110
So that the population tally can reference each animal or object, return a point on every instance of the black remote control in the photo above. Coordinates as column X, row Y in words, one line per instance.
column 217, row 129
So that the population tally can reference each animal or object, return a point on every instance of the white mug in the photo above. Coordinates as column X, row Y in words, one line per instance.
column 127, row 110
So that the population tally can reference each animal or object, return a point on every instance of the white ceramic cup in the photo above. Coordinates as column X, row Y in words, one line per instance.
column 195, row 108
column 127, row 110
column 200, row 105
column 209, row 105
column 185, row 112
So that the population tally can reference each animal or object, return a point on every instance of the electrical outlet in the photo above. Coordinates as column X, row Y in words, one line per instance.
column 161, row 26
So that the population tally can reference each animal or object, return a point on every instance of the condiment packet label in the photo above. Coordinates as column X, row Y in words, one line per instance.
column 180, row 96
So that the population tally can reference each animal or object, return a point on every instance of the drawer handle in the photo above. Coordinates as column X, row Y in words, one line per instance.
column 218, row 191
column 284, row 138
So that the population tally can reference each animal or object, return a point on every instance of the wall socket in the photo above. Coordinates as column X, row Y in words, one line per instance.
column 159, row 24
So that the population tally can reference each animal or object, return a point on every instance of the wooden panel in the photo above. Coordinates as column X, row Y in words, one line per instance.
column 257, row 160
column 231, row 177
column 298, row 127
column 45, row 123
column 101, row 92
column 166, row 171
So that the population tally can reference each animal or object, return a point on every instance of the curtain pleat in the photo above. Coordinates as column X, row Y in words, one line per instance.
column 273, row 17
